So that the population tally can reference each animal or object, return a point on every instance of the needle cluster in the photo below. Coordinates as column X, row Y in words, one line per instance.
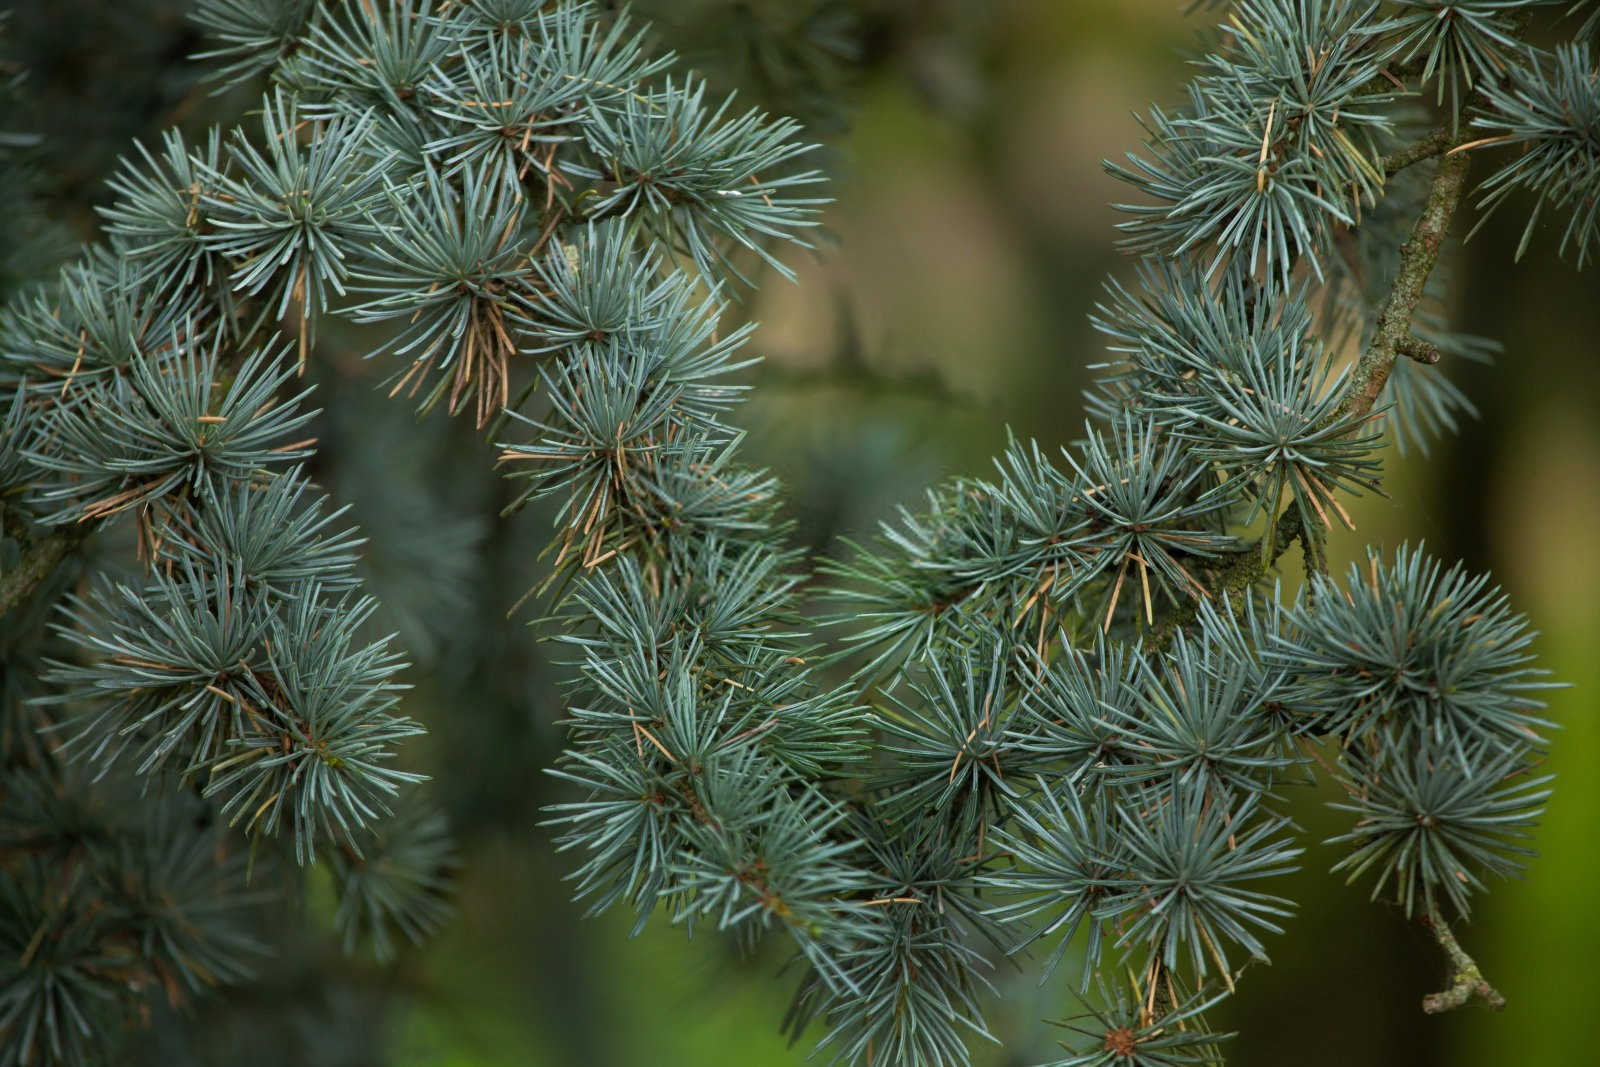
column 1057, row 708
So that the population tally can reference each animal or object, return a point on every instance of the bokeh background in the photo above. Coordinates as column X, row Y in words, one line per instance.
column 968, row 242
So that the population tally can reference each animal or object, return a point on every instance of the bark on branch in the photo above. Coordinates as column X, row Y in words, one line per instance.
column 40, row 558
column 1392, row 333
column 1466, row 980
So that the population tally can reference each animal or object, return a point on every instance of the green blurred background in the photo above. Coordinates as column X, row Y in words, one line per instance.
column 968, row 243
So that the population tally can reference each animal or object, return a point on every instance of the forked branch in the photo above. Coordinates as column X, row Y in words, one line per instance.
column 1466, row 979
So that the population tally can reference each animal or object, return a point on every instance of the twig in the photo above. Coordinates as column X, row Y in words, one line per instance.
column 40, row 558
column 1434, row 144
column 1466, row 980
column 1391, row 338
column 1417, row 258
column 1420, row 350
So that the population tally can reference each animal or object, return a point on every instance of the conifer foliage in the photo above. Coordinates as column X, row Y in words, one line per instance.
column 1057, row 708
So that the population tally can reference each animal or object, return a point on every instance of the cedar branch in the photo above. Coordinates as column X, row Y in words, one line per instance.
column 1466, row 979
column 40, row 558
